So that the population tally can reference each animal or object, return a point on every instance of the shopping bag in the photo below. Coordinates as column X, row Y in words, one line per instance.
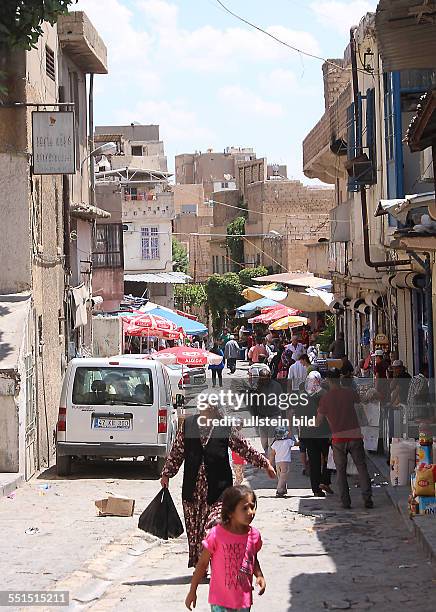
column 160, row 518
column 330, row 460
column 351, row 466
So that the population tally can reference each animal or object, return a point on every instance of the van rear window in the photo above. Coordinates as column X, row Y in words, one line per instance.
column 110, row 386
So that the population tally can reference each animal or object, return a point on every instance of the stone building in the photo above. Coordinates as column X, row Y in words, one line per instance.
column 139, row 170
column 359, row 147
column 194, row 217
column 45, row 238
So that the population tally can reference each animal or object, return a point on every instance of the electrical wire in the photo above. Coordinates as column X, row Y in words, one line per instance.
column 282, row 42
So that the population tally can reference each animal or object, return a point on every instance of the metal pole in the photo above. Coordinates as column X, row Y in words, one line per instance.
column 91, row 140
column 429, row 309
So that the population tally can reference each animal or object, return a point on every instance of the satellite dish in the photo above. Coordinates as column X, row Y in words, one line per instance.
column 228, row 177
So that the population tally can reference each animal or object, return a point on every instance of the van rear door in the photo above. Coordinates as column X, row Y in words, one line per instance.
column 113, row 403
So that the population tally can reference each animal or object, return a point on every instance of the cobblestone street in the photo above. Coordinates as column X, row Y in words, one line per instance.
column 315, row 555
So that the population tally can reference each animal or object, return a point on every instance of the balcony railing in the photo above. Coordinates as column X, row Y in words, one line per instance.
column 326, row 140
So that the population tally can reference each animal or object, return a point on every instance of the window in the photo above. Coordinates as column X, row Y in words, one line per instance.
column 150, row 243
column 389, row 117
column 189, row 209
column 371, row 126
column 225, row 185
column 137, row 151
column 50, row 68
column 108, row 249
column 110, row 386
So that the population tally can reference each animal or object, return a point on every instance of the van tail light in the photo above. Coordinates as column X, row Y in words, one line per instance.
column 62, row 419
column 162, row 421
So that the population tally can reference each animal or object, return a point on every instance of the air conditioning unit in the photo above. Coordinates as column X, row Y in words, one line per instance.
column 427, row 174
column 128, row 227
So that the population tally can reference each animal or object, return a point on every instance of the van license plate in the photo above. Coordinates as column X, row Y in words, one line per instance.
column 100, row 423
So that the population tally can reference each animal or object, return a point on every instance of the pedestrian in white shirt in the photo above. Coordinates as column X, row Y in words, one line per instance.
column 281, row 454
column 296, row 348
column 298, row 373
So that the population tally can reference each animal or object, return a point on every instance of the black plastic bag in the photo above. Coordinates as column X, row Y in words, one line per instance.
column 160, row 518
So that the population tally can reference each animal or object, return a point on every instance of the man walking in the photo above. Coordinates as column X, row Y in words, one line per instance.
column 257, row 350
column 295, row 348
column 231, row 354
column 298, row 373
column 337, row 406
column 266, row 406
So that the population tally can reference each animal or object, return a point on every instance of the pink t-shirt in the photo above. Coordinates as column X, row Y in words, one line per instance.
column 229, row 587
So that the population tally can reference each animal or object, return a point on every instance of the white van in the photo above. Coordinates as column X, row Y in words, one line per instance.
column 114, row 408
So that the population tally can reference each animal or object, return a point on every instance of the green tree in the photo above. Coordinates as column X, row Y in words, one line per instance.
column 180, row 256
column 189, row 295
column 247, row 274
column 223, row 294
column 21, row 20
column 326, row 337
column 235, row 244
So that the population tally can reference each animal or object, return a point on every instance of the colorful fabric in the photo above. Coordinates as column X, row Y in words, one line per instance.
column 232, row 565
column 199, row 516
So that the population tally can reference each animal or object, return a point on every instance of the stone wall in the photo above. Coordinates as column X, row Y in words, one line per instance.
column 284, row 216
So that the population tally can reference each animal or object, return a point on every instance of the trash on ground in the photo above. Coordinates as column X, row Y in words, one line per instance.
column 407, row 566
column 115, row 505
column 11, row 495
column 32, row 530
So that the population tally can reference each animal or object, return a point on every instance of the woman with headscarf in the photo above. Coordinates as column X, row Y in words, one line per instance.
column 207, row 473
column 316, row 439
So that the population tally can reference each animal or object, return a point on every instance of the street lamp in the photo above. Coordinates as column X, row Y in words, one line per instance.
column 108, row 148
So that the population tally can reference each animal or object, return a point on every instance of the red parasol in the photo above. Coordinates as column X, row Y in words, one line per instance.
column 147, row 325
column 185, row 355
column 274, row 315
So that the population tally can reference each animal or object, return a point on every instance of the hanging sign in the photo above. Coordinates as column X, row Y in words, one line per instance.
column 53, row 145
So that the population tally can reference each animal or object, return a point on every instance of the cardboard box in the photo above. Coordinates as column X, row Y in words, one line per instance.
column 115, row 505
column 427, row 505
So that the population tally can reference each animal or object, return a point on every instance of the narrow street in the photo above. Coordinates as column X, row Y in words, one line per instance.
column 316, row 556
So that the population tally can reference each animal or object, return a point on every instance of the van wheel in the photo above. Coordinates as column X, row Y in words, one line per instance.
column 63, row 465
column 158, row 465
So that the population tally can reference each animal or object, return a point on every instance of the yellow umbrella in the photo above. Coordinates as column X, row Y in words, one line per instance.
column 287, row 323
column 267, row 291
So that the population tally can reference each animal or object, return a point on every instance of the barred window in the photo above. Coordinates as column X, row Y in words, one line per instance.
column 150, row 243
column 50, row 68
column 108, row 248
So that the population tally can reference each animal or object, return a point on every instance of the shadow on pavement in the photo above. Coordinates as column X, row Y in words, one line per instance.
column 123, row 470
column 366, row 551
column 161, row 581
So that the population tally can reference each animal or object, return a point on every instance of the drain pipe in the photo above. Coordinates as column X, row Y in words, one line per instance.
column 427, row 291
column 365, row 226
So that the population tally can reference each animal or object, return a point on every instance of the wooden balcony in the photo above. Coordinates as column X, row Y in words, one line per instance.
column 324, row 148
column 80, row 40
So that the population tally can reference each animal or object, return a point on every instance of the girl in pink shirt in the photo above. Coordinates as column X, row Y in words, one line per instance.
column 231, row 548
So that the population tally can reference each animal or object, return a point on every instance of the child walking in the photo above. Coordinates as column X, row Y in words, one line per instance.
column 281, row 454
column 231, row 547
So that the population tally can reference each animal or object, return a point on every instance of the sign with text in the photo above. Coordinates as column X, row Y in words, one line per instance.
column 53, row 145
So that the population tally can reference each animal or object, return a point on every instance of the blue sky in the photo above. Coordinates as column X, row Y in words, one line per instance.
column 210, row 81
